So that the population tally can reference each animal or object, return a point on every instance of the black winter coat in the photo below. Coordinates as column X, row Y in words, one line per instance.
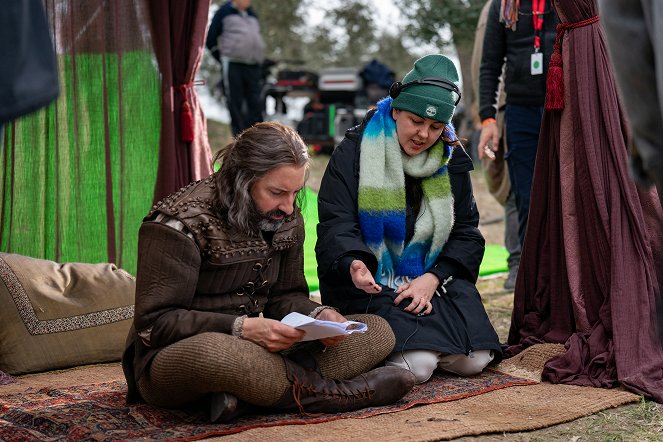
column 458, row 323
column 28, row 69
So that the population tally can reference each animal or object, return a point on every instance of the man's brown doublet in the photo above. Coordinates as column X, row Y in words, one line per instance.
column 208, row 274
column 233, row 263
column 194, row 205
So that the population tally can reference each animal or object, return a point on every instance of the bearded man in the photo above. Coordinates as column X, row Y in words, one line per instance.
column 220, row 263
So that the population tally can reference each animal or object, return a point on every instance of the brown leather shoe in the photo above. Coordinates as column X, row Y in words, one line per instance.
column 312, row 394
column 225, row 407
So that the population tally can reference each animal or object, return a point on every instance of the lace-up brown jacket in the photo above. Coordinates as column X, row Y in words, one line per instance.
column 195, row 274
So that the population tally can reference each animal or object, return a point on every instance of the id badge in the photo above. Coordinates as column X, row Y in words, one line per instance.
column 536, row 67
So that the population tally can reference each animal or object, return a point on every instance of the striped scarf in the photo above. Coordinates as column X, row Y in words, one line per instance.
column 383, row 166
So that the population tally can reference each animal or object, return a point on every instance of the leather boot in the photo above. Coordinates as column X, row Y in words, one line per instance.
column 225, row 407
column 312, row 394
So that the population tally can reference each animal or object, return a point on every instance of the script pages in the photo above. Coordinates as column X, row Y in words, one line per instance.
column 318, row 329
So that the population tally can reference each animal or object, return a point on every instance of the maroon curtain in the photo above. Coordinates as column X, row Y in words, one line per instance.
column 178, row 35
column 587, row 275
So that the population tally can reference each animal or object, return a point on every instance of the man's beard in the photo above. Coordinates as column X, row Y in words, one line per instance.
column 265, row 221
column 268, row 224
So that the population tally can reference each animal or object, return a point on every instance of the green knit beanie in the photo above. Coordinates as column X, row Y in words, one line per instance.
column 429, row 101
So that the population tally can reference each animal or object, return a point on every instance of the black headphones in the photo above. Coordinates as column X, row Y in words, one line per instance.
column 396, row 88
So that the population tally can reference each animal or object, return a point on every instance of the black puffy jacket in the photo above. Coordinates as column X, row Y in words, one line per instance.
column 28, row 69
column 339, row 234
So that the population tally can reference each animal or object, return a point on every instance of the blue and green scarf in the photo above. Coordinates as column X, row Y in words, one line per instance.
column 383, row 166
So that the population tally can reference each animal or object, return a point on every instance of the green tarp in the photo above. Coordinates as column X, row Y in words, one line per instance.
column 494, row 260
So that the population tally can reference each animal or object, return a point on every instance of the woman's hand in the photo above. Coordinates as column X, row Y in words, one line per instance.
column 270, row 334
column 329, row 314
column 421, row 290
column 362, row 278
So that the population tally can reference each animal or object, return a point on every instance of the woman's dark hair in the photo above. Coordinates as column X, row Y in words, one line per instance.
column 252, row 154
column 449, row 136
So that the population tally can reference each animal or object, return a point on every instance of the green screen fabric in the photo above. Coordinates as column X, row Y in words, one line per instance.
column 77, row 177
column 310, row 214
column 494, row 259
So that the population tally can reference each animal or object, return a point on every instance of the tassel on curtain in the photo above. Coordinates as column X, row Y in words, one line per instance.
column 178, row 33
column 555, row 80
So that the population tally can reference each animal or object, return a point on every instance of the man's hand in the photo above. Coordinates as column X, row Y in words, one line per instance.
column 488, row 141
column 421, row 290
column 329, row 314
column 362, row 278
column 271, row 334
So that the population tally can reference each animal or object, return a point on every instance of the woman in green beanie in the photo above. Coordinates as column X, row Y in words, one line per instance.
column 398, row 233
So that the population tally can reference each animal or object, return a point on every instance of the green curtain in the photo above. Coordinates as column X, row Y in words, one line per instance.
column 77, row 177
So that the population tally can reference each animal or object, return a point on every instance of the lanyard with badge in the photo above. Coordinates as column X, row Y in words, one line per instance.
column 536, row 66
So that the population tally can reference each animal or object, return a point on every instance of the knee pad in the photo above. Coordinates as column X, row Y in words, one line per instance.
column 469, row 365
column 422, row 363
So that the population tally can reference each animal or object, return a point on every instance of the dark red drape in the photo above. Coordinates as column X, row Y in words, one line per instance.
column 178, row 34
column 587, row 275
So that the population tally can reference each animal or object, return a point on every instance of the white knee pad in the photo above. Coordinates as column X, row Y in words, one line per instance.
column 422, row 363
column 466, row 365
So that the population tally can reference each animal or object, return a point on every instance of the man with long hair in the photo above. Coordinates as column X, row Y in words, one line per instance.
column 220, row 263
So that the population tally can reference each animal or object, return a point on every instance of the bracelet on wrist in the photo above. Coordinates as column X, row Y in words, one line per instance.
column 319, row 309
column 238, row 326
column 488, row 121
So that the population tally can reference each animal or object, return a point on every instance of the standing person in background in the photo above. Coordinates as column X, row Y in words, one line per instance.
column 641, row 88
column 28, row 69
column 494, row 167
column 523, row 33
column 235, row 41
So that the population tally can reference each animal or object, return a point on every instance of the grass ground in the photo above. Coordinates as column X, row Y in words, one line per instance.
column 642, row 421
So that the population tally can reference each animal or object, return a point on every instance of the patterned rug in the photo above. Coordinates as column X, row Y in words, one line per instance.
column 99, row 412
column 6, row 379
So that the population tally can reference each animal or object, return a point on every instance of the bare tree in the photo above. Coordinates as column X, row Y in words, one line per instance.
column 392, row 52
column 282, row 26
column 444, row 23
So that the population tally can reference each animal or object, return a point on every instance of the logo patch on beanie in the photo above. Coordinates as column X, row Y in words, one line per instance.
column 431, row 110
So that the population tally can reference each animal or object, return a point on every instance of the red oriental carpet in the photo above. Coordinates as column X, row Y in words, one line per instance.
column 6, row 379
column 99, row 412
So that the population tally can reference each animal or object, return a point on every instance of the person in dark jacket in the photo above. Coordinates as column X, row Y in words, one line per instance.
column 493, row 164
column 519, row 39
column 398, row 233
column 642, row 20
column 28, row 68
column 220, row 263
column 235, row 41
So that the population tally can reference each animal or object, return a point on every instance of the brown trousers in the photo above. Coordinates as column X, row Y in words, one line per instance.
column 190, row 369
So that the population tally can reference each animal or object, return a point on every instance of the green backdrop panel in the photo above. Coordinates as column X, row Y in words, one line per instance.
column 77, row 177
column 494, row 259
column 310, row 214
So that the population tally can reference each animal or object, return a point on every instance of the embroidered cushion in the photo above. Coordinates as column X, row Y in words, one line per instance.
column 61, row 315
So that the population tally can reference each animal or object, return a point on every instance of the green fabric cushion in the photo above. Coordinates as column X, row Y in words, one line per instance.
column 61, row 315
